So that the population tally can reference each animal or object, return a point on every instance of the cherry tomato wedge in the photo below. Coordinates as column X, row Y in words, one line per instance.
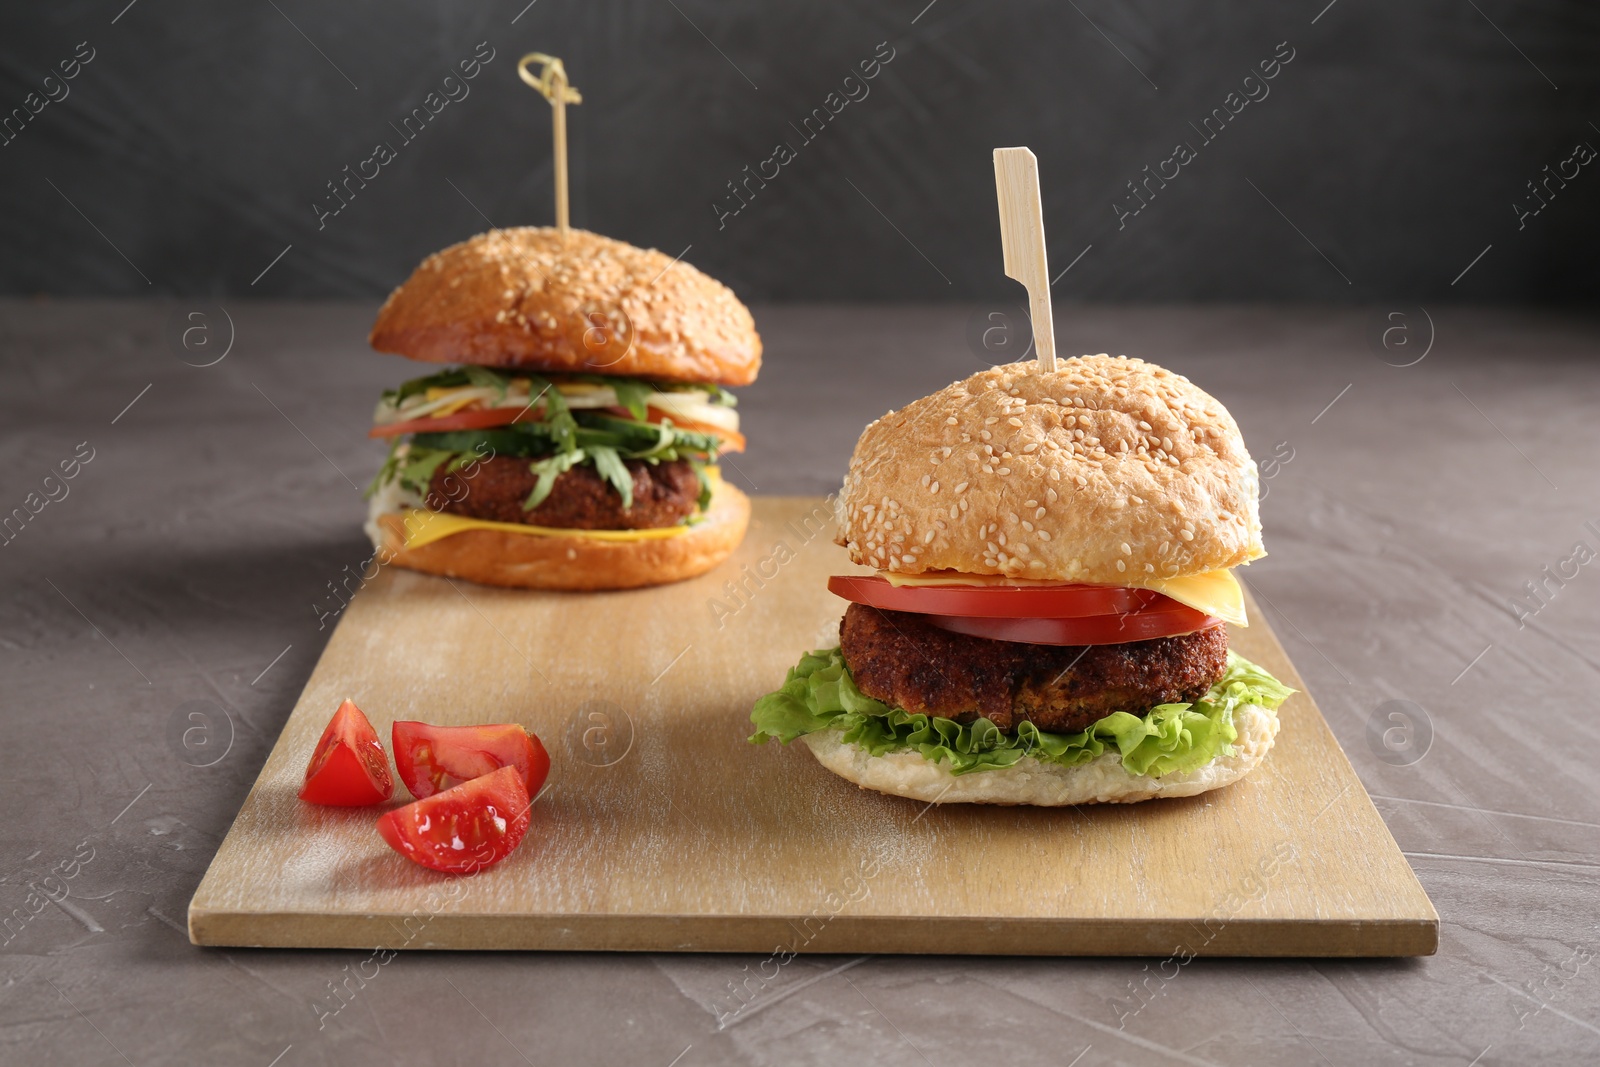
column 463, row 829
column 1165, row 620
column 477, row 419
column 995, row 601
column 348, row 768
column 434, row 758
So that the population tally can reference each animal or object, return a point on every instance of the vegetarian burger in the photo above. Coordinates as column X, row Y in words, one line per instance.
column 1048, row 623
column 573, row 443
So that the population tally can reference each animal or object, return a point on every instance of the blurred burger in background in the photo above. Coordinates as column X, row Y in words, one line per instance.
column 1048, row 618
column 572, row 443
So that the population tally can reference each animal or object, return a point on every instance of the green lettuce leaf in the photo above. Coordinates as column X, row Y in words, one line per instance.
column 819, row 694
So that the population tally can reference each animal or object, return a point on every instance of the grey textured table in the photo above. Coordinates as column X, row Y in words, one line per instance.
column 176, row 577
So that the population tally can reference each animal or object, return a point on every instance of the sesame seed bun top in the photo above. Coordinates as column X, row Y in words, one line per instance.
column 1106, row 471
column 527, row 299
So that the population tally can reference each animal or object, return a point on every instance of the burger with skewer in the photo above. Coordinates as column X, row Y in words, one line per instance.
column 572, row 442
column 1047, row 624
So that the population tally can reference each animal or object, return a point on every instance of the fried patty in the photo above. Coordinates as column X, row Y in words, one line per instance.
column 903, row 660
column 664, row 494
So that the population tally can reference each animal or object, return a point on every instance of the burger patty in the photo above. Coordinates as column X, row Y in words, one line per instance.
column 664, row 494
column 903, row 660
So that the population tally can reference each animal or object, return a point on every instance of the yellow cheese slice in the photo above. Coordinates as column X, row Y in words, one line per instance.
column 437, row 393
column 426, row 527
column 1214, row 592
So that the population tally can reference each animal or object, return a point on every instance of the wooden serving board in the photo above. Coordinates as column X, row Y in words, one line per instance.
column 663, row 830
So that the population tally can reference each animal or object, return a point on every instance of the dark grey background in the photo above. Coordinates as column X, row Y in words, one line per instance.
column 1396, row 141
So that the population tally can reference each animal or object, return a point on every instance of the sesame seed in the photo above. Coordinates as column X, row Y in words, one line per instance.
column 1044, row 535
column 1039, row 514
column 928, row 537
column 1026, row 525
column 962, row 487
column 1121, row 566
column 1126, row 551
column 1003, row 470
column 1014, row 421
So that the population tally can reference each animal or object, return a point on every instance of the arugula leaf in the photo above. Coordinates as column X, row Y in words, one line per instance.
column 549, row 470
column 386, row 473
column 445, row 379
column 488, row 379
column 416, row 472
column 633, row 395
column 557, row 415
column 819, row 694
column 719, row 395
column 611, row 468
column 699, row 468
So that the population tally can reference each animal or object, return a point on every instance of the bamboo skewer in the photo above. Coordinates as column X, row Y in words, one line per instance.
column 1016, row 181
column 552, row 84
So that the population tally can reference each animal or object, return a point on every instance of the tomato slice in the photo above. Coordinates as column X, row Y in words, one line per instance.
column 348, row 768
column 1162, row 620
column 994, row 601
column 476, row 419
column 463, row 829
column 434, row 758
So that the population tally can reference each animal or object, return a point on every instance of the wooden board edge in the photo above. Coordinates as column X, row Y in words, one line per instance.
column 1414, row 889
column 887, row 935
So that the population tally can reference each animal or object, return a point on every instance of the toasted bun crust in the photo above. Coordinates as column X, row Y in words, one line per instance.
column 523, row 562
column 1105, row 471
column 1102, row 780
column 524, row 298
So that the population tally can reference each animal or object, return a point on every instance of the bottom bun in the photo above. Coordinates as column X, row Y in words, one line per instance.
column 1103, row 780
column 526, row 561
